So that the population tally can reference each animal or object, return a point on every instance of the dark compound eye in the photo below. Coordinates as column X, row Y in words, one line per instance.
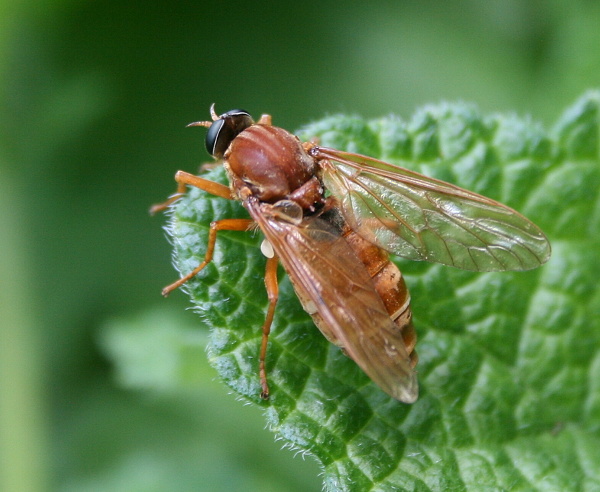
column 222, row 132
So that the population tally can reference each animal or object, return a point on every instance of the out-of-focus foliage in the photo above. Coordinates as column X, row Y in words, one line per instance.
column 94, row 97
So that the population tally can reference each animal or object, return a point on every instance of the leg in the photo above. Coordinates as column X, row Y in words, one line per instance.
column 312, row 143
column 184, row 179
column 265, row 119
column 219, row 225
column 209, row 166
column 273, row 294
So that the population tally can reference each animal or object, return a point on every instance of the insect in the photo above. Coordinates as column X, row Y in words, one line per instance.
column 331, row 217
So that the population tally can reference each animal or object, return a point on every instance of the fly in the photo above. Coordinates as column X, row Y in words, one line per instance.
column 331, row 217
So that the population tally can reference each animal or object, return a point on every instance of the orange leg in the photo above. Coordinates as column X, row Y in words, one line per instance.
column 265, row 119
column 218, row 225
column 184, row 179
column 273, row 294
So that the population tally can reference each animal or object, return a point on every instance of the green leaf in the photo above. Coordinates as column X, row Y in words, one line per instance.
column 509, row 362
column 175, row 417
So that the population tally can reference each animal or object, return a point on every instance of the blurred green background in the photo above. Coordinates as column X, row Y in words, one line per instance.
column 94, row 100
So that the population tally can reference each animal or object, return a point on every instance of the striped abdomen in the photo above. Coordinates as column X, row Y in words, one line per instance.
column 389, row 284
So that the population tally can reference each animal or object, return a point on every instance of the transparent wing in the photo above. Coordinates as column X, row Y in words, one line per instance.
column 335, row 288
column 422, row 218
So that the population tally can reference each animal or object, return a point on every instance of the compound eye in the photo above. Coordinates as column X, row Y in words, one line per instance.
column 212, row 137
column 224, row 130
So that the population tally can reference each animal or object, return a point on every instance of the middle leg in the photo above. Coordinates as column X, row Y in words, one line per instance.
column 216, row 226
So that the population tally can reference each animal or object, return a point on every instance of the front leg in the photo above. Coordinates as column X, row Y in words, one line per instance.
column 183, row 180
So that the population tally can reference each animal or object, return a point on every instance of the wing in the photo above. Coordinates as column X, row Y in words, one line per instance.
column 335, row 288
column 422, row 218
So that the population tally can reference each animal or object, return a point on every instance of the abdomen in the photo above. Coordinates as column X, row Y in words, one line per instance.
column 390, row 286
